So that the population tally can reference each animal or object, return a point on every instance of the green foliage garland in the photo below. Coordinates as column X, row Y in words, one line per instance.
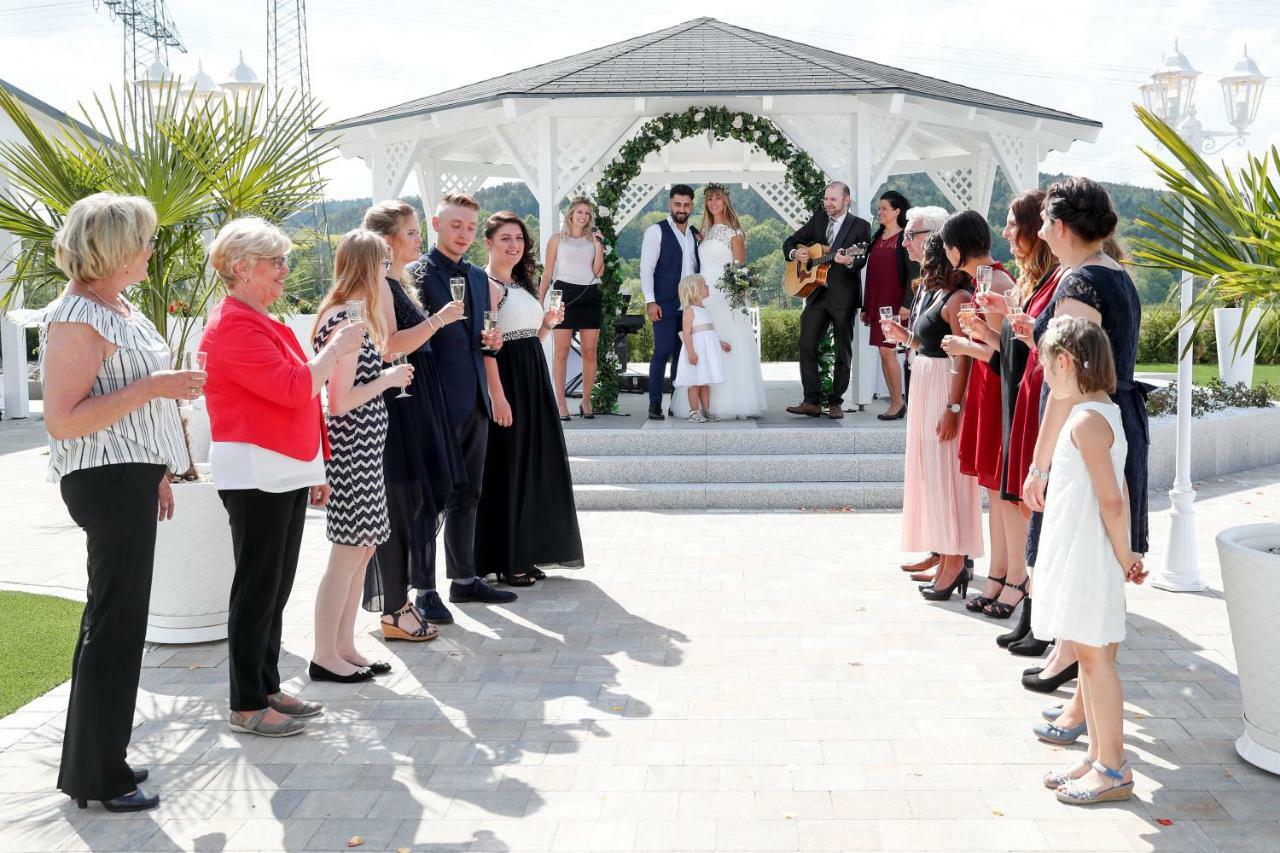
column 803, row 176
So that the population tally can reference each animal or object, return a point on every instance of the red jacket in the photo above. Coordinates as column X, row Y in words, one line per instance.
column 259, row 385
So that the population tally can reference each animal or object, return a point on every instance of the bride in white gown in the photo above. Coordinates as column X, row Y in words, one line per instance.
column 741, row 395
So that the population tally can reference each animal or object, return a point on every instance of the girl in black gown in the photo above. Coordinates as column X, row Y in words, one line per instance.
column 423, row 463
column 527, row 515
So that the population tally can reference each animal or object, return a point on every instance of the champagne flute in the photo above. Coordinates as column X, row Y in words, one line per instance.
column 398, row 359
column 490, row 323
column 967, row 314
column 458, row 287
column 194, row 360
column 984, row 278
column 355, row 310
column 556, row 297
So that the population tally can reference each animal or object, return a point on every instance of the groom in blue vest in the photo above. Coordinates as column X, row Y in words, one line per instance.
column 668, row 254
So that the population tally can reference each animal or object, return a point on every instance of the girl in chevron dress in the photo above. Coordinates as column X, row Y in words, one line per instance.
column 357, row 520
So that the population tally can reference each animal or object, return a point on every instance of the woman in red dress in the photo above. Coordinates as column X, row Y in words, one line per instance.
column 967, row 238
column 890, row 272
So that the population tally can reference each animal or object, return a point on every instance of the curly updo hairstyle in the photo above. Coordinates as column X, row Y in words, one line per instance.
column 1083, row 206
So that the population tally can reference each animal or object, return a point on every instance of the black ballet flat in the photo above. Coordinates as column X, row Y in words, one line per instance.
column 380, row 667
column 319, row 673
column 902, row 413
column 136, row 801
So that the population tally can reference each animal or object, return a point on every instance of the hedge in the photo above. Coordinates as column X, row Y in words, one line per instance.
column 780, row 338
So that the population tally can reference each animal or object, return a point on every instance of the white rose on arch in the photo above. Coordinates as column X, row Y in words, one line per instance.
column 756, row 135
column 676, row 134
column 737, row 122
column 699, row 116
column 773, row 137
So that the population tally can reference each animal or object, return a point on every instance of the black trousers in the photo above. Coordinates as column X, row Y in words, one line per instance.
column 460, row 513
column 408, row 556
column 666, row 350
column 817, row 317
column 266, row 536
column 116, row 506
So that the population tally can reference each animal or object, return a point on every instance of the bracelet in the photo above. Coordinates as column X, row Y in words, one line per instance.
column 1038, row 474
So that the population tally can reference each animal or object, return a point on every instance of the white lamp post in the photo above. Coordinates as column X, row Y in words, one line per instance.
column 1169, row 95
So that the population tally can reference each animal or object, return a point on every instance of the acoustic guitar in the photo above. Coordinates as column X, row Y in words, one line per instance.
column 804, row 277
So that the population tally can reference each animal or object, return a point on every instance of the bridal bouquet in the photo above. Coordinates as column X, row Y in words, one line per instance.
column 740, row 284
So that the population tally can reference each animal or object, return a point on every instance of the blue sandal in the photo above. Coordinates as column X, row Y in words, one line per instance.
column 1078, row 795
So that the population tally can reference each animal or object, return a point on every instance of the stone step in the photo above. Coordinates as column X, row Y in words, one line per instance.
column 745, row 468
column 754, row 496
column 733, row 440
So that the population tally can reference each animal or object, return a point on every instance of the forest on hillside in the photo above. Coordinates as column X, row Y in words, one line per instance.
column 763, row 228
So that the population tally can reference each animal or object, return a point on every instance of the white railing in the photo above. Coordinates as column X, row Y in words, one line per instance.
column 754, row 314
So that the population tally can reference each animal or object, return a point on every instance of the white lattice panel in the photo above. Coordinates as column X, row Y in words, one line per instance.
column 885, row 131
column 827, row 138
column 636, row 197
column 1012, row 151
column 958, row 185
column 784, row 200
column 582, row 142
column 523, row 138
column 464, row 184
column 396, row 159
column 585, row 188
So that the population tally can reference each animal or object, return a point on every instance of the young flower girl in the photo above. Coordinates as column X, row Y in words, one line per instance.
column 1085, row 557
column 701, row 364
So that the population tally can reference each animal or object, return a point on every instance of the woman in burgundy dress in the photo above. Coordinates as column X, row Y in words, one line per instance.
column 890, row 272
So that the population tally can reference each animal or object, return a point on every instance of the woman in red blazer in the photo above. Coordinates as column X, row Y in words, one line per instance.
column 268, row 452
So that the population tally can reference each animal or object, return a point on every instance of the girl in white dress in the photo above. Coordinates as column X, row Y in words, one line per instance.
column 701, row 363
column 741, row 395
column 1085, row 554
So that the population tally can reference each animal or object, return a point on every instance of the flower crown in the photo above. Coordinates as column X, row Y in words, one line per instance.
column 714, row 187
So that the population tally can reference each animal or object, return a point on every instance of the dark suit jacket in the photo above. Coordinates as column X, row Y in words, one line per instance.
column 457, row 346
column 844, row 284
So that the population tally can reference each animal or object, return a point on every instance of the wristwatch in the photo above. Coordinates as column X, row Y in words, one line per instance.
column 954, row 408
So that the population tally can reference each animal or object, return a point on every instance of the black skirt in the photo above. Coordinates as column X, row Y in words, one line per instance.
column 583, row 305
column 527, row 515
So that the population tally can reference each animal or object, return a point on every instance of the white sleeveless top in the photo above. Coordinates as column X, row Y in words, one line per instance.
column 574, row 257
column 151, row 433
column 519, row 313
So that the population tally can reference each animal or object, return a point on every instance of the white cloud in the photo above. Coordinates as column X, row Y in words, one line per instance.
column 1087, row 57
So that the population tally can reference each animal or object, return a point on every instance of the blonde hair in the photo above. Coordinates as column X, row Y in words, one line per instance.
column 357, row 271
column 690, row 289
column 457, row 200
column 101, row 234
column 246, row 239
column 1087, row 345
column 578, row 201
column 730, row 215
column 385, row 218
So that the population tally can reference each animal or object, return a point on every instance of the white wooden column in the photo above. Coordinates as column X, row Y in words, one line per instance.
column 425, row 170
column 546, row 189
column 862, row 372
column 13, row 338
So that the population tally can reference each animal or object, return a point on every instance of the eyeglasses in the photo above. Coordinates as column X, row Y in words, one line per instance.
column 911, row 235
column 278, row 262
column 151, row 243
column 386, row 263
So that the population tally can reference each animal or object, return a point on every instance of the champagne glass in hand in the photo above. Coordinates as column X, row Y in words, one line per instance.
column 490, row 323
column 984, row 278
column 355, row 310
column 398, row 359
column 458, row 289
column 556, row 297
column 194, row 362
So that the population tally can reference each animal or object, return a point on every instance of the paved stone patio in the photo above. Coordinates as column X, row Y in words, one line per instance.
column 726, row 681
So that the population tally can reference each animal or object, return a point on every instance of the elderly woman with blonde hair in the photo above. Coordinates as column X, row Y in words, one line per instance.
column 114, row 432
column 268, row 457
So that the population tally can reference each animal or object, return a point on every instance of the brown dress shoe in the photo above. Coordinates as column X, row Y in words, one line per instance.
column 809, row 409
column 835, row 412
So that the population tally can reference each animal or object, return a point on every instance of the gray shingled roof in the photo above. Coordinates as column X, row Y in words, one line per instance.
column 51, row 111
column 706, row 56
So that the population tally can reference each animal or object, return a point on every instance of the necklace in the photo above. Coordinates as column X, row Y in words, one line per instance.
column 118, row 308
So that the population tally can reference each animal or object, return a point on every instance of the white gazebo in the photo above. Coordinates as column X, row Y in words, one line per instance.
column 556, row 126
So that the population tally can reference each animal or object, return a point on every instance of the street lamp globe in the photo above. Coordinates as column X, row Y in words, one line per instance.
column 1175, row 82
column 1242, row 91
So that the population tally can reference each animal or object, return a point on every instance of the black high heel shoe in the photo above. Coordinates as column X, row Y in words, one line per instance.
column 1030, row 647
column 978, row 602
column 135, row 801
column 585, row 415
column 961, row 583
column 1022, row 629
column 1048, row 685
column 1000, row 610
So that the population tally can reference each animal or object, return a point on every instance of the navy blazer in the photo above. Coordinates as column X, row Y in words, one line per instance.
column 457, row 346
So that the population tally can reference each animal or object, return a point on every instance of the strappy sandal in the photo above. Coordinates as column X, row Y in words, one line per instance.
column 1078, row 795
column 536, row 573
column 522, row 579
column 392, row 630
column 255, row 725
column 1055, row 779
column 979, row 602
column 1000, row 610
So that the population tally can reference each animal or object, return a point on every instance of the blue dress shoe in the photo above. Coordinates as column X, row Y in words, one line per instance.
column 431, row 609
column 478, row 591
column 1053, row 713
column 136, row 801
column 1057, row 735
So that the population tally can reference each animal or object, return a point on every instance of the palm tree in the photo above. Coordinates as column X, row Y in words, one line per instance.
column 199, row 163
column 1219, row 226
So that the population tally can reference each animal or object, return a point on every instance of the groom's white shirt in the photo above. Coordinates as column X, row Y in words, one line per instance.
column 652, row 247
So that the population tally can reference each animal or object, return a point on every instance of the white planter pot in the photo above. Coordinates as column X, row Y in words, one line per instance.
column 1251, row 582
column 1235, row 367
column 199, row 437
column 194, row 565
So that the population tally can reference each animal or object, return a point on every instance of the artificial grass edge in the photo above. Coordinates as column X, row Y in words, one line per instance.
column 39, row 638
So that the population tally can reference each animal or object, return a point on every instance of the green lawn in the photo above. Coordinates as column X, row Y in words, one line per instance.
column 39, row 636
column 1202, row 373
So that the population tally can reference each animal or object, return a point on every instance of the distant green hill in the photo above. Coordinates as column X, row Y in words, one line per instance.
column 765, row 229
